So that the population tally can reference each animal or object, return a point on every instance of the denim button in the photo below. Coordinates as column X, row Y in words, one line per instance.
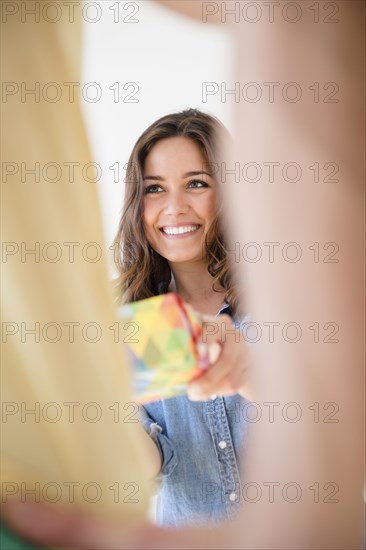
column 222, row 444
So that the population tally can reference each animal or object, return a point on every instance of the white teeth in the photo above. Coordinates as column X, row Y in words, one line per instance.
column 179, row 230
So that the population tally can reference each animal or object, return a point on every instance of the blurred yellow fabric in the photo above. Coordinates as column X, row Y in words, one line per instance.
column 82, row 444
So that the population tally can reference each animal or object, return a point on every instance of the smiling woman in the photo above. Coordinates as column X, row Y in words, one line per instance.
column 171, row 239
column 171, row 221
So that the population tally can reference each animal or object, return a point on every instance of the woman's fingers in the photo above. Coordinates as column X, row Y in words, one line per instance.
column 218, row 329
column 226, row 363
column 225, row 357
column 225, row 377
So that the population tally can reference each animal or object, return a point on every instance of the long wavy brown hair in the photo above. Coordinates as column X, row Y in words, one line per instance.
column 142, row 271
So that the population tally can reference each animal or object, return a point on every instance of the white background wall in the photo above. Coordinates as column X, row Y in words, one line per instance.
column 167, row 56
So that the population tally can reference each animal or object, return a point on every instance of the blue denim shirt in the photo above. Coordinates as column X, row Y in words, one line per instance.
column 201, row 445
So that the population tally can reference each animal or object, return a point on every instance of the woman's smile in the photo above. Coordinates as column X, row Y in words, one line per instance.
column 180, row 231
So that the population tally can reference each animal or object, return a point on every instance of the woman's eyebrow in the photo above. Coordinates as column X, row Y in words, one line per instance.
column 196, row 173
column 154, row 178
column 186, row 175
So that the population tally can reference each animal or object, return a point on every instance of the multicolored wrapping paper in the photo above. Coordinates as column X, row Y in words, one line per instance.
column 163, row 347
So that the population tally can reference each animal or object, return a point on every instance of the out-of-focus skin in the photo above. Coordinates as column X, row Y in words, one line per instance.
column 308, row 451
column 309, row 291
column 324, row 128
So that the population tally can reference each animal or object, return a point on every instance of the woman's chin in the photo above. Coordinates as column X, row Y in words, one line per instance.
column 183, row 258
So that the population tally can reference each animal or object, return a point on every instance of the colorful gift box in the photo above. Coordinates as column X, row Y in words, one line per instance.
column 162, row 346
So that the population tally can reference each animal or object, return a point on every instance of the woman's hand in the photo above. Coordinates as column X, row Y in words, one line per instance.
column 225, row 357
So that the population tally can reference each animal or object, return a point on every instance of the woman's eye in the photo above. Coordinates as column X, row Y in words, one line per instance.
column 153, row 189
column 197, row 183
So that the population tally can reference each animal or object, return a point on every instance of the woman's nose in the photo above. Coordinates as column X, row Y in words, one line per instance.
column 176, row 203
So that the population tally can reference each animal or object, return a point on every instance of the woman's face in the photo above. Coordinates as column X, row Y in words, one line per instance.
column 179, row 199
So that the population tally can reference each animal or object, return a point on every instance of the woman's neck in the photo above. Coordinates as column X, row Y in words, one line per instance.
column 194, row 284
